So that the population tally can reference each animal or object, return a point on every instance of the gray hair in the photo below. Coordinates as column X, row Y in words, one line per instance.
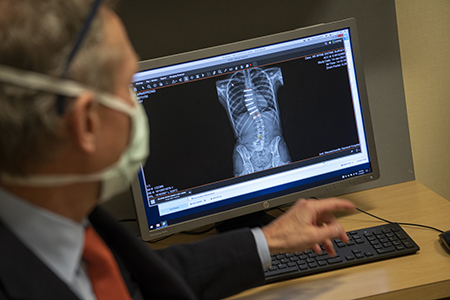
column 38, row 36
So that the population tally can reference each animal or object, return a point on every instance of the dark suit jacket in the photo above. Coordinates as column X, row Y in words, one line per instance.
column 210, row 269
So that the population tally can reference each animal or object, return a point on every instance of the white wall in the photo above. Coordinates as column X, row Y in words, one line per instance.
column 424, row 36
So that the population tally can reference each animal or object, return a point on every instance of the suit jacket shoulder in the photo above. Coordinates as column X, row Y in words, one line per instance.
column 24, row 276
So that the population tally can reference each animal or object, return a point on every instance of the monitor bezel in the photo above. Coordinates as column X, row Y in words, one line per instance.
column 331, row 189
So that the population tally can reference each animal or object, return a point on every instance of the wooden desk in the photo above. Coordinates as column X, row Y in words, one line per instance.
column 425, row 275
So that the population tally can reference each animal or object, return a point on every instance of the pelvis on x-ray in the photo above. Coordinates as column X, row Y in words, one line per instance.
column 249, row 98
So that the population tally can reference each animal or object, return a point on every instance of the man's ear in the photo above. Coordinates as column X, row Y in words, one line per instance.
column 84, row 122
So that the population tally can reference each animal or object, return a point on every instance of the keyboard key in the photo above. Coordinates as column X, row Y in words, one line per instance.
column 408, row 244
column 303, row 267
column 385, row 250
column 334, row 260
column 323, row 257
column 401, row 236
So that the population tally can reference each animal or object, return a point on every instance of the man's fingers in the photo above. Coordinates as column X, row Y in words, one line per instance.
column 332, row 231
column 328, row 247
column 316, row 248
column 339, row 231
column 314, row 222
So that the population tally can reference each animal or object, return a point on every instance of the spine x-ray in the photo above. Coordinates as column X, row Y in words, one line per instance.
column 249, row 98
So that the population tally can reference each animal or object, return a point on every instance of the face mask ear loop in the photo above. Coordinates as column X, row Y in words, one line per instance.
column 60, row 104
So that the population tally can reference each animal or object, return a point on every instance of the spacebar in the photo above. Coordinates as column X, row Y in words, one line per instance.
column 281, row 271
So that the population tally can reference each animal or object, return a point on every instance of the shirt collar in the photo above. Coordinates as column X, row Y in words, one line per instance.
column 56, row 240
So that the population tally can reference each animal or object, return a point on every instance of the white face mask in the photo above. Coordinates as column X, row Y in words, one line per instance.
column 115, row 178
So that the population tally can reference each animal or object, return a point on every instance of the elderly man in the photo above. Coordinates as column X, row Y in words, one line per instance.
column 71, row 136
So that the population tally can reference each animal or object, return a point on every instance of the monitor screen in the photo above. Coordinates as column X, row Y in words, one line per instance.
column 249, row 126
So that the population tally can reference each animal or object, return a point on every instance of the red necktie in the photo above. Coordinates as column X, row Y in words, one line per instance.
column 106, row 279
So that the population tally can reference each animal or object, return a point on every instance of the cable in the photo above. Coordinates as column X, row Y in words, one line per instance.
column 280, row 209
column 400, row 223
column 364, row 212
column 384, row 220
column 420, row 225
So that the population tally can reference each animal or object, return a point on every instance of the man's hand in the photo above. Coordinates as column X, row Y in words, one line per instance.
column 306, row 224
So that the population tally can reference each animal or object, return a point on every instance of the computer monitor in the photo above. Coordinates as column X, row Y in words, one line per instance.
column 249, row 126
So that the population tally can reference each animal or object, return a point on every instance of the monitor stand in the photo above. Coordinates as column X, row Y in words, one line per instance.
column 256, row 219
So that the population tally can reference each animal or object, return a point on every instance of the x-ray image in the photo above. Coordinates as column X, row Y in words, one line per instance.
column 249, row 98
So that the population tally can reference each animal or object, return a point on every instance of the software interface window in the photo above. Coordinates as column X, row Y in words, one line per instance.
column 231, row 129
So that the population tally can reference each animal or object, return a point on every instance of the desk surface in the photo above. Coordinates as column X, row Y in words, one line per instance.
column 425, row 275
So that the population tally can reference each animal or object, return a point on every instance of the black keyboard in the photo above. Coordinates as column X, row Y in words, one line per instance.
column 365, row 246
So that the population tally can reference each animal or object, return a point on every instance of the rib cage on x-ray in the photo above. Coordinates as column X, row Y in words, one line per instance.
column 249, row 97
